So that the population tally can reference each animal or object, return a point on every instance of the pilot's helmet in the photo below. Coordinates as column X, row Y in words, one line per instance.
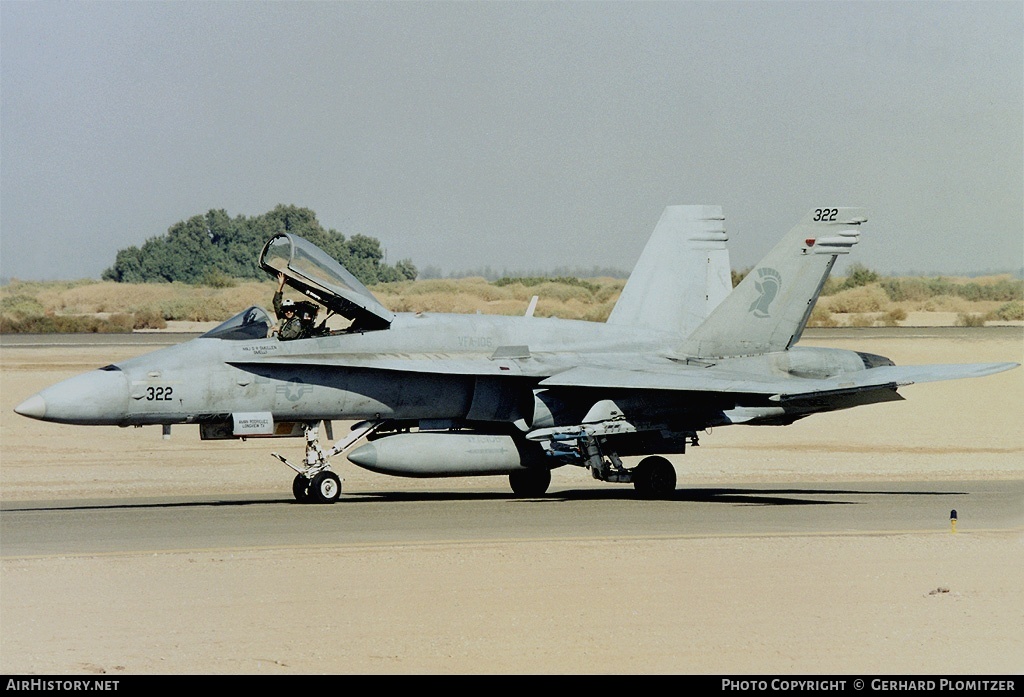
column 288, row 304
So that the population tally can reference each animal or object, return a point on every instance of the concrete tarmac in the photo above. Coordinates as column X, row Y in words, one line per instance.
column 260, row 521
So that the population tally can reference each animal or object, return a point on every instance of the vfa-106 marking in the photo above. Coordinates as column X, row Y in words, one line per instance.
column 443, row 395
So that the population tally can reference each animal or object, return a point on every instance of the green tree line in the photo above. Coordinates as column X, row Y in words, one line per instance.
column 214, row 248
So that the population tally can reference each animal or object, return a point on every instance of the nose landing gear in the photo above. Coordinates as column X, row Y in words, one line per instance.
column 315, row 482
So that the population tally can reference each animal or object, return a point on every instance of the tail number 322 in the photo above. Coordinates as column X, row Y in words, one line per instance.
column 159, row 394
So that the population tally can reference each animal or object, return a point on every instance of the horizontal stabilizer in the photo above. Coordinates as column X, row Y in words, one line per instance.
column 902, row 375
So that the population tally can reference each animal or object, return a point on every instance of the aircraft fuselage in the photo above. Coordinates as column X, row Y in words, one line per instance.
column 482, row 368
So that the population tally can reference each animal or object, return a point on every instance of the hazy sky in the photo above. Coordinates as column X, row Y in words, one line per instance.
column 516, row 135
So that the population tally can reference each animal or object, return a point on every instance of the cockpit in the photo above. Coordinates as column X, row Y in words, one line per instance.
column 253, row 323
column 311, row 271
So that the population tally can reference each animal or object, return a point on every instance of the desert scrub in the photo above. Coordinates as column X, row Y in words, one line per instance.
column 217, row 279
column 67, row 324
column 599, row 313
column 148, row 319
column 821, row 317
column 950, row 303
column 969, row 319
column 996, row 288
column 196, row 309
column 88, row 297
column 509, row 296
column 64, row 306
column 893, row 317
column 860, row 320
column 1010, row 312
column 858, row 300
column 609, row 291
column 21, row 305
column 541, row 280
column 438, row 294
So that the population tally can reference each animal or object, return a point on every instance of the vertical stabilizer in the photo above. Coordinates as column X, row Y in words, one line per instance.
column 769, row 309
column 682, row 274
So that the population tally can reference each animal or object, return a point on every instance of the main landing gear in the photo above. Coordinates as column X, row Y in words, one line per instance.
column 315, row 482
column 654, row 477
column 530, row 483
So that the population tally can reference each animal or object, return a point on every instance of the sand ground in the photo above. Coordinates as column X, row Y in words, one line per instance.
column 908, row 603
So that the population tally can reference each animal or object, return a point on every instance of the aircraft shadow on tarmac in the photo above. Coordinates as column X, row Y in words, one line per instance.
column 734, row 496
column 728, row 496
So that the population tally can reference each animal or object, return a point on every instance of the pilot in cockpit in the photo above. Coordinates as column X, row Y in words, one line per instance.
column 291, row 325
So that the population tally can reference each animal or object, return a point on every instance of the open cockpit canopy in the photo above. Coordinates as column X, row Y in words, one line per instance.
column 310, row 270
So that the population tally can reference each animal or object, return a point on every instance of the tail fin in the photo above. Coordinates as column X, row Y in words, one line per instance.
column 682, row 274
column 769, row 309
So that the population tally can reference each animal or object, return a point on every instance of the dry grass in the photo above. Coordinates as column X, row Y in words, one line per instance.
column 105, row 306
column 173, row 299
column 25, row 306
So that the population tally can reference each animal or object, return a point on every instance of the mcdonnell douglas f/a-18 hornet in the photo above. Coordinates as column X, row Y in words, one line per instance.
column 443, row 395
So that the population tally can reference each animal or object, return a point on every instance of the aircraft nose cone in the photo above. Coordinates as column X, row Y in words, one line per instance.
column 364, row 456
column 99, row 397
column 33, row 407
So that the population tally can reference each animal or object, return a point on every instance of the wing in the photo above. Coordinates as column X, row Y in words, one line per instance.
column 691, row 378
column 643, row 398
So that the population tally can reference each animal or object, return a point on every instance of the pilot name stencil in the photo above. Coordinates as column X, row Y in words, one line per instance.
column 261, row 349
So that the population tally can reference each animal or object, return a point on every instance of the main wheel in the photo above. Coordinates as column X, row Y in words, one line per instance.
column 530, row 483
column 654, row 477
column 325, row 488
column 300, row 488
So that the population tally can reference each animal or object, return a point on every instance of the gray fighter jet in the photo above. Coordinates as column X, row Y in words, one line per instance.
column 442, row 395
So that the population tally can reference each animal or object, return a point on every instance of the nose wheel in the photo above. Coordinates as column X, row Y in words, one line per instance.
column 324, row 487
column 300, row 488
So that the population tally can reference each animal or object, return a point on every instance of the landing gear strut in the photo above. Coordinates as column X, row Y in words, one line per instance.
column 315, row 482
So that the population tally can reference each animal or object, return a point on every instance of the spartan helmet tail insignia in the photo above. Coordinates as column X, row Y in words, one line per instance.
column 767, row 284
